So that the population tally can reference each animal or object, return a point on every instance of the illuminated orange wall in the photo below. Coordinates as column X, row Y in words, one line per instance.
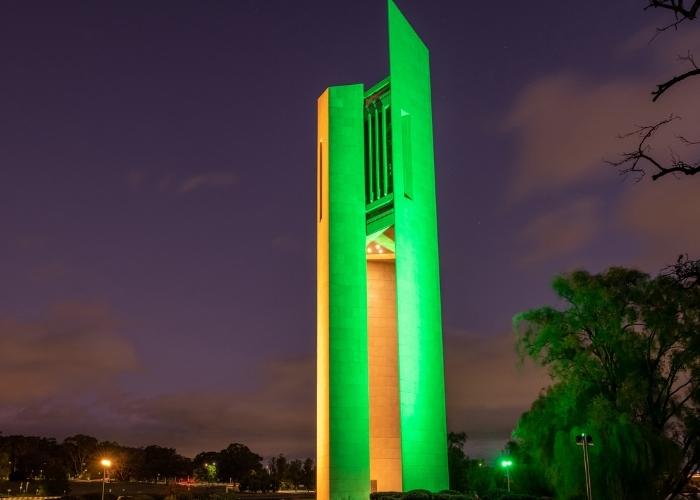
column 385, row 418
column 322, row 320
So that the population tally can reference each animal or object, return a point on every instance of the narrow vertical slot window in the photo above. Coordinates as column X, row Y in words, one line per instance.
column 370, row 156
column 320, row 181
column 368, row 170
column 389, row 152
column 377, row 154
column 380, row 150
column 407, row 155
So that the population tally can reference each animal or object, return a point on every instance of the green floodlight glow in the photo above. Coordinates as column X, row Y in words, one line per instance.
column 506, row 463
column 371, row 178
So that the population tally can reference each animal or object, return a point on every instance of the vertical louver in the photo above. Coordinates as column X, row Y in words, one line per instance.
column 379, row 179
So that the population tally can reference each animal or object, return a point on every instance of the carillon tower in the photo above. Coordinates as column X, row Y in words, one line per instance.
column 380, row 374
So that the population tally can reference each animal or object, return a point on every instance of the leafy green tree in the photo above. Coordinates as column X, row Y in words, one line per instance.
column 294, row 473
column 127, row 462
column 457, row 461
column 468, row 475
column 237, row 462
column 32, row 457
column 482, row 478
column 278, row 470
column 256, row 481
column 162, row 463
column 204, row 466
column 80, row 449
column 624, row 357
column 308, row 472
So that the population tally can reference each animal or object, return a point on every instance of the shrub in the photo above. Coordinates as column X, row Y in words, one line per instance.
column 421, row 495
column 417, row 495
column 386, row 495
column 451, row 495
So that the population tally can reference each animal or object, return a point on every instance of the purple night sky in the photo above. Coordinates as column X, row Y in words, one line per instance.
column 157, row 200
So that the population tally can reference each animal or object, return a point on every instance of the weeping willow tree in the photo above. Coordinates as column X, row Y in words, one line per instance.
column 624, row 356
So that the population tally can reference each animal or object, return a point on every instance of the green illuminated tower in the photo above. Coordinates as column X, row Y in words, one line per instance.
column 380, row 374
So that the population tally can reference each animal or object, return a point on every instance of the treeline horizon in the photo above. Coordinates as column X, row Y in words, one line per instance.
column 78, row 457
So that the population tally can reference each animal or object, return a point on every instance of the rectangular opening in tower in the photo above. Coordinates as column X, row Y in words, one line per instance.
column 378, row 155
column 384, row 414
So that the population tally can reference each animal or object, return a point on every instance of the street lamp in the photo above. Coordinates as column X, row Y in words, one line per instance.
column 507, row 463
column 106, row 464
column 584, row 441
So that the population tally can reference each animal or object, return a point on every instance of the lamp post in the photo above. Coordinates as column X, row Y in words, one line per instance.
column 106, row 464
column 506, row 464
column 584, row 441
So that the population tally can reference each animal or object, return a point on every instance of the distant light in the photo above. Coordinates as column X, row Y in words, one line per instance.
column 106, row 462
column 369, row 250
column 506, row 463
column 376, row 246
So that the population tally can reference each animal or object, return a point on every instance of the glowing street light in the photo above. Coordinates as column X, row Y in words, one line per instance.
column 106, row 464
column 584, row 441
column 507, row 463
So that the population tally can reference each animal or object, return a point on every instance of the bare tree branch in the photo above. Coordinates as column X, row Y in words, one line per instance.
column 633, row 161
column 680, row 13
column 677, row 7
column 663, row 87
column 690, row 59
column 685, row 271
column 687, row 142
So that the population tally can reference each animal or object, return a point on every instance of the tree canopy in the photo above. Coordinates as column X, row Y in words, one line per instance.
column 624, row 356
column 78, row 457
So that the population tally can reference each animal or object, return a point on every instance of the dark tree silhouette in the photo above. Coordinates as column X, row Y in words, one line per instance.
column 685, row 271
column 81, row 450
column 457, row 460
column 637, row 161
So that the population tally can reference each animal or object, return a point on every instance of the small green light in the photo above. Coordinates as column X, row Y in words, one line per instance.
column 506, row 463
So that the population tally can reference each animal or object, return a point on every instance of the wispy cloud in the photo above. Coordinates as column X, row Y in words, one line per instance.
column 567, row 123
column 208, row 180
column 274, row 416
column 68, row 348
column 664, row 216
column 138, row 180
column 562, row 231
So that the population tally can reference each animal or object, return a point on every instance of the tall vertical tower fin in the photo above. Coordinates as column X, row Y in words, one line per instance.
column 421, row 366
column 380, row 393
column 342, row 385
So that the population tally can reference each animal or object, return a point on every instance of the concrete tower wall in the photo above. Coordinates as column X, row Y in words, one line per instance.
column 421, row 367
column 342, row 366
column 380, row 392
